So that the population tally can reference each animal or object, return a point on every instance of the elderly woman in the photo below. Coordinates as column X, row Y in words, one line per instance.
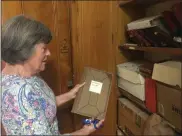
column 28, row 104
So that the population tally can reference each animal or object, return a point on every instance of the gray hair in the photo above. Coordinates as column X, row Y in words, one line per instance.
column 20, row 34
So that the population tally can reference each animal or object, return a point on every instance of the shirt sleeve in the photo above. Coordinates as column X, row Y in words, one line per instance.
column 24, row 112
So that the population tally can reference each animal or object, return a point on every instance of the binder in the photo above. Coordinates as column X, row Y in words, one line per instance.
column 146, row 22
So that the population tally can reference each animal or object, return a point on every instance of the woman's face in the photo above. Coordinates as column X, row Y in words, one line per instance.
column 38, row 60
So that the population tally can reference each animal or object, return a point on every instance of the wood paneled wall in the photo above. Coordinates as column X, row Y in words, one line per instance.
column 92, row 41
column 16, row 9
column 46, row 13
column 98, row 28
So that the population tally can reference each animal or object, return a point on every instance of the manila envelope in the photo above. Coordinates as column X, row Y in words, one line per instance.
column 92, row 100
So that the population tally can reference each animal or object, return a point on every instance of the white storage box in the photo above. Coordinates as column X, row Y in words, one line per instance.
column 137, row 90
column 168, row 72
column 131, row 80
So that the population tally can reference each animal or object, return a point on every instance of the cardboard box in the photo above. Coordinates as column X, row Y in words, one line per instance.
column 132, row 98
column 130, row 118
column 92, row 100
column 131, row 80
column 168, row 72
column 130, row 72
column 156, row 125
column 169, row 104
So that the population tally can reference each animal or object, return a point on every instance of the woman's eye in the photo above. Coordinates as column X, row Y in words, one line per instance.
column 44, row 49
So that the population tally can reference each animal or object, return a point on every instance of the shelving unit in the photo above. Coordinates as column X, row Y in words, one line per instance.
column 170, row 51
column 134, row 10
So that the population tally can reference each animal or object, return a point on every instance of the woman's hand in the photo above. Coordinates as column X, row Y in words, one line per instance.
column 74, row 91
column 88, row 129
column 63, row 98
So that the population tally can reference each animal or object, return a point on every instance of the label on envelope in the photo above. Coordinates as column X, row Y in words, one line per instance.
column 95, row 87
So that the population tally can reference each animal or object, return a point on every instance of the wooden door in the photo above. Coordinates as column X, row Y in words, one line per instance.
column 63, row 31
column 65, row 117
column 16, row 9
column 54, row 14
column 45, row 12
column 92, row 43
column 10, row 9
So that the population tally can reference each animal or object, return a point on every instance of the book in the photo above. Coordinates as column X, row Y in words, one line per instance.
column 130, row 44
column 144, row 23
column 146, row 68
column 148, row 37
column 177, row 9
column 161, row 38
column 138, row 38
column 171, row 22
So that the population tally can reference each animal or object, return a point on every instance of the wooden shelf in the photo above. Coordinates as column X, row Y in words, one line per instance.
column 170, row 51
column 125, row 3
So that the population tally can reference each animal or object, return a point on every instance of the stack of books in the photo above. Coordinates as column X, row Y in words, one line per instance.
column 164, row 30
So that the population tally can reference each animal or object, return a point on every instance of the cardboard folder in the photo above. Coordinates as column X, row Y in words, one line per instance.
column 92, row 100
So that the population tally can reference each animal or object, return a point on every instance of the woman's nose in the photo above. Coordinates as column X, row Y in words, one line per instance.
column 48, row 53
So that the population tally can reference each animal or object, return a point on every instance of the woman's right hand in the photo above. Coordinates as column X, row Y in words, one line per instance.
column 88, row 129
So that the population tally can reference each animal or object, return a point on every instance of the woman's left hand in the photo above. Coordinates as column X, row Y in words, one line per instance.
column 74, row 91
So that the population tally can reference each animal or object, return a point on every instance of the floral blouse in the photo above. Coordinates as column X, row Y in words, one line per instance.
column 28, row 106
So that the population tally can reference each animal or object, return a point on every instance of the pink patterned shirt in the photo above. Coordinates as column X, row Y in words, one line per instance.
column 28, row 106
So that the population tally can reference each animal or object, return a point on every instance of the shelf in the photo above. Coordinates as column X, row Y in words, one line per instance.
column 125, row 3
column 169, row 51
column 134, row 100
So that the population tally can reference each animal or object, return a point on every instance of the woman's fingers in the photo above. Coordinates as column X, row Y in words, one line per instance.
column 100, row 123
column 80, row 85
column 77, row 87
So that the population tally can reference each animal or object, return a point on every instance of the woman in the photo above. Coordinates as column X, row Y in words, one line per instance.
column 28, row 104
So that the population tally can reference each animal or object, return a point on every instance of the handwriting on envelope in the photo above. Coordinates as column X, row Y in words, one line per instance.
column 95, row 87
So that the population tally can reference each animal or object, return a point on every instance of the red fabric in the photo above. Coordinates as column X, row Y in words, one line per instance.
column 150, row 95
